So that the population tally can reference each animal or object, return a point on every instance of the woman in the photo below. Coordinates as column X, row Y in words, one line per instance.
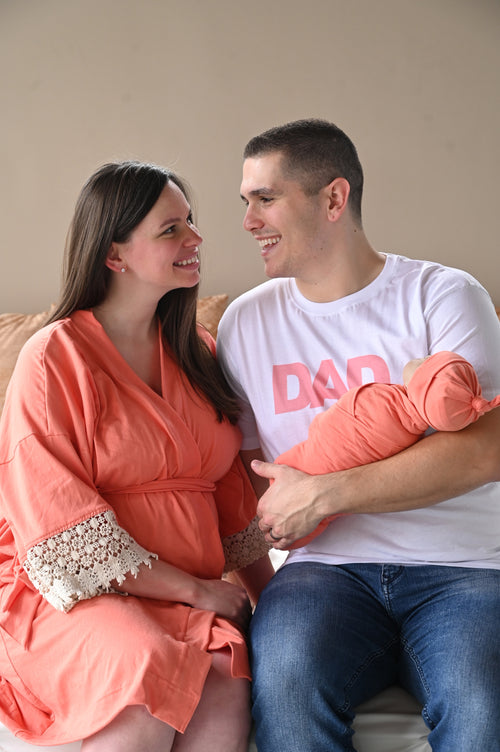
column 119, row 475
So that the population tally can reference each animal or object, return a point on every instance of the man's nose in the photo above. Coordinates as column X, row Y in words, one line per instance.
column 251, row 220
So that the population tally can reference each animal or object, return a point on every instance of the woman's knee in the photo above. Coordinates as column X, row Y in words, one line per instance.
column 222, row 719
column 227, row 691
column 134, row 725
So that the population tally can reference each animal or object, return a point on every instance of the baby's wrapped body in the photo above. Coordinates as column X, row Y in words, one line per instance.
column 376, row 420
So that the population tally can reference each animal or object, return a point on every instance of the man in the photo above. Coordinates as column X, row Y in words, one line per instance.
column 411, row 595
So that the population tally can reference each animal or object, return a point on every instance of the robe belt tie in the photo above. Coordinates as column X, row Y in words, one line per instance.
column 165, row 484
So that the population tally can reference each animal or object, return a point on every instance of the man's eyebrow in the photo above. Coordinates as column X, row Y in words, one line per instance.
column 259, row 192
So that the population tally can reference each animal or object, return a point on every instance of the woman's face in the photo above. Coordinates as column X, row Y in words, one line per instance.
column 162, row 252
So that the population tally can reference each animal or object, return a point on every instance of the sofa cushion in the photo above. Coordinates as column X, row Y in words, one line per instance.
column 16, row 328
column 210, row 310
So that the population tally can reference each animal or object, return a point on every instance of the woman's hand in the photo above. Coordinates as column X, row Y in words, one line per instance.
column 163, row 581
column 225, row 598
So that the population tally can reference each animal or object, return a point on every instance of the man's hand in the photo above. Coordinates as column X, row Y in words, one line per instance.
column 289, row 509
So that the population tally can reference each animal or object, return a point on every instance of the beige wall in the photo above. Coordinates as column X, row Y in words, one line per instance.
column 186, row 82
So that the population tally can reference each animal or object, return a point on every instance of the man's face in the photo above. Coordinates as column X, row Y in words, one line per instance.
column 288, row 225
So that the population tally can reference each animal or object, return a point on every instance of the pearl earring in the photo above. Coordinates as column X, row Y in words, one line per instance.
column 123, row 269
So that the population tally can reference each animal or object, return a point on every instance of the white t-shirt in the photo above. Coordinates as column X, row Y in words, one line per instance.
column 288, row 358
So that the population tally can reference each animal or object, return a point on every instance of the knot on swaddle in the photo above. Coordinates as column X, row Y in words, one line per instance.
column 482, row 405
column 446, row 392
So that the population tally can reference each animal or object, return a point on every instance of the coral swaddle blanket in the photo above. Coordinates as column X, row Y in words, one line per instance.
column 376, row 420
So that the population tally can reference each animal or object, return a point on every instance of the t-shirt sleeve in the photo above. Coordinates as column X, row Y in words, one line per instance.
column 464, row 321
column 228, row 364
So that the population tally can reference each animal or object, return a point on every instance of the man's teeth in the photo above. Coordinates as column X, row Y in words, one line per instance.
column 185, row 262
column 268, row 241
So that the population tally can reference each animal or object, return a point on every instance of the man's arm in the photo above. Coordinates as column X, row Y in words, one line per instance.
column 260, row 483
column 439, row 467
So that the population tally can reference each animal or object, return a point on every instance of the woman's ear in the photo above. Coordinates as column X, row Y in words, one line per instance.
column 338, row 195
column 114, row 261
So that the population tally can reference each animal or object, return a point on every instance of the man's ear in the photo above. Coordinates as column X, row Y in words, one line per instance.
column 338, row 195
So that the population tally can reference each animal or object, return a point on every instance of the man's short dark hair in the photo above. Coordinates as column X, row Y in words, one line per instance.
column 314, row 152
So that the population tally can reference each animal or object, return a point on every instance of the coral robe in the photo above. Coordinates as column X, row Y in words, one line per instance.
column 98, row 474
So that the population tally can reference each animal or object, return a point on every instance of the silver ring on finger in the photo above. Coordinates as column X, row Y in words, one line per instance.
column 274, row 537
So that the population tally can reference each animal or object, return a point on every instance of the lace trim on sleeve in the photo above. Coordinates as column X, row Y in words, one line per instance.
column 245, row 547
column 81, row 562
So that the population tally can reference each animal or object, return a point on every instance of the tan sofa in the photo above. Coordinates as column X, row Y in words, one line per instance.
column 391, row 722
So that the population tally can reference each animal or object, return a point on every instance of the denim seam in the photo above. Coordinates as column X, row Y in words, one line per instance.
column 372, row 657
column 416, row 662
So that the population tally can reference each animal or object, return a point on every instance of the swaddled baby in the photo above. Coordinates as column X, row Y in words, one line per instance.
column 375, row 421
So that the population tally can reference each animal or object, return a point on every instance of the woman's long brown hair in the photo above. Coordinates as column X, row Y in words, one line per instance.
column 111, row 204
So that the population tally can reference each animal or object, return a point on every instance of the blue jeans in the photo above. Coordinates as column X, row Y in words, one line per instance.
column 326, row 638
